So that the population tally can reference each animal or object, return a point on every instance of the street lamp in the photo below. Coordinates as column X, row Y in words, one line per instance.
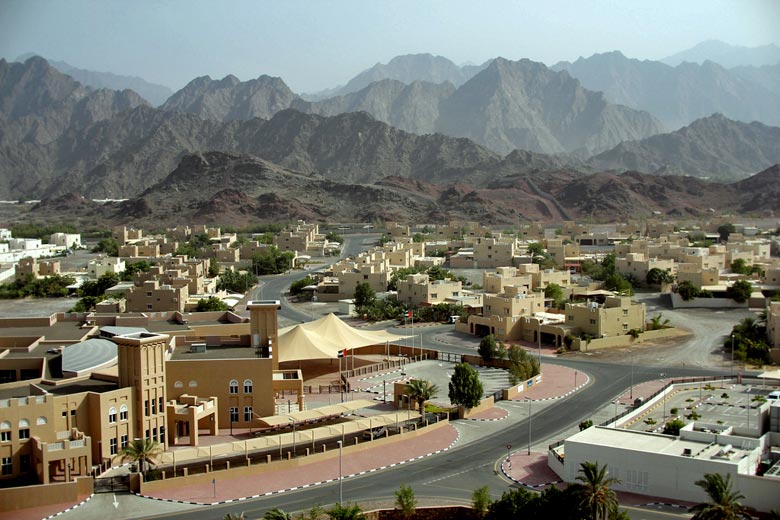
column 293, row 432
column 529, row 426
column 341, row 484
column 663, row 397
column 614, row 419
column 540, row 344
column 732, row 354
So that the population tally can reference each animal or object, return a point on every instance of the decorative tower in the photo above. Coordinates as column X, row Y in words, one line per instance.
column 264, row 327
column 141, row 359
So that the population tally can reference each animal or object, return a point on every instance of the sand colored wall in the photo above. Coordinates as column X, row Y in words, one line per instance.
column 12, row 499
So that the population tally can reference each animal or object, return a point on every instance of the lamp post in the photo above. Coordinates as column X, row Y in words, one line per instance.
column 508, row 457
column 384, row 391
column 540, row 344
column 614, row 419
column 732, row 354
column 293, row 432
column 631, row 392
column 663, row 397
column 529, row 426
column 341, row 484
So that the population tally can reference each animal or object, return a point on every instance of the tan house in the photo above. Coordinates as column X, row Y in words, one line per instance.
column 29, row 266
column 152, row 296
column 418, row 289
column 617, row 316
column 638, row 265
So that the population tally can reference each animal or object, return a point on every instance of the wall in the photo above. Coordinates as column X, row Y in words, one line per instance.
column 707, row 303
column 484, row 404
column 624, row 340
column 236, row 472
column 13, row 499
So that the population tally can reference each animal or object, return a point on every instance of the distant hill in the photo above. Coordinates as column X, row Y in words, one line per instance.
column 151, row 92
column 410, row 68
column 229, row 99
column 508, row 105
column 727, row 55
column 679, row 95
column 713, row 147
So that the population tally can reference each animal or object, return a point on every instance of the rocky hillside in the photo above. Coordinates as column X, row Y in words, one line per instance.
column 714, row 147
column 505, row 106
column 238, row 189
column 151, row 92
column 679, row 95
column 229, row 99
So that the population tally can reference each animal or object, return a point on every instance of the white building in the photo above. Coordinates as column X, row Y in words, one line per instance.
column 25, row 244
column 66, row 240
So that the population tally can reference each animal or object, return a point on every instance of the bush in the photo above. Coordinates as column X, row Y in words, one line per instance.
column 212, row 303
column 674, row 411
column 584, row 425
column 673, row 427
column 405, row 501
column 740, row 291
column 480, row 501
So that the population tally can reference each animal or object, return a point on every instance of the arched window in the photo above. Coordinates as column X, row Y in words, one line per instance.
column 112, row 415
column 247, row 386
column 123, row 412
column 24, row 423
column 5, row 425
column 233, row 386
column 193, row 384
column 41, row 420
column 178, row 384
column 5, row 434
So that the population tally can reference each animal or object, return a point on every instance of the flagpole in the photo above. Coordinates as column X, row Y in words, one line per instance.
column 341, row 391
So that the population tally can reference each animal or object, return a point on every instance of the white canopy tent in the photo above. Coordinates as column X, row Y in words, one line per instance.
column 324, row 338
column 772, row 374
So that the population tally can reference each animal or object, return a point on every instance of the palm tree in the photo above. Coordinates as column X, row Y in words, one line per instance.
column 276, row 514
column 141, row 451
column 725, row 502
column 234, row 516
column 421, row 390
column 594, row 494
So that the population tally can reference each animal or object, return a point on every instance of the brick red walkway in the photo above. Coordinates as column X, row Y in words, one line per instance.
column 494, row 414
column 282, row 479
column 557, row 382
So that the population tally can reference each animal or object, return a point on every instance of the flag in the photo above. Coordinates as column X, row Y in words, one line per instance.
column 409, row 314
column 343, row 353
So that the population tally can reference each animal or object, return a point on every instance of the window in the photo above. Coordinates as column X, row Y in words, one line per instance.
column 112, row 415
column 625, row 326
column 154, row 434
column 233, row 414
column 154, row 406
column 233, row 386
column 160, row 404
column 123, row 412
column 112, row 446
column 193, row 384
column 73, row 413
column 146, row 407
column 5, row 436
column 24, row 434
column 123, row 441
column 64, row 413
column 41, row 420
column 570, row 318
column 248, row 413
column 592, row 322
column 247, row 386
column 8, row 466
column 625, row 312
column 162, row 433
column 148, row 306
column 148, row 294
column 178, row 384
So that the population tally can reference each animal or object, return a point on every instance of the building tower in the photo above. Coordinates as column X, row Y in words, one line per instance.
column 141, row 359
column 264, row 327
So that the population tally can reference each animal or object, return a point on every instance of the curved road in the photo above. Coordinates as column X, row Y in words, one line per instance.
column 457, row 472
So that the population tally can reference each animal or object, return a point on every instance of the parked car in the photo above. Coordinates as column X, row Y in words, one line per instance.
column 774, row 396
column 374, row 433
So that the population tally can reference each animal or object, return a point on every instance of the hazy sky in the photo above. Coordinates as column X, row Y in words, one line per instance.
column 318, row 44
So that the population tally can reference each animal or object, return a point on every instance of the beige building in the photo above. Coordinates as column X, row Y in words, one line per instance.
column 700, row 278
column 29, row 266
column 502, row 313
column 101, row 265
column 418, row 289
column 496, row 282
column 492, row 252
column 152, row 296
column 638, row 265
column 617, row 316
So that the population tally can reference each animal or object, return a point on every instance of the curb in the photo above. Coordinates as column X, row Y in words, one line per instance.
column 529, row 486
column 667, row 504
column 303, row 486
column 71, row 508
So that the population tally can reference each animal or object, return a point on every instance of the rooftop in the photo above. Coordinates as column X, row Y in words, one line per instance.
column 84, row 385
column 184, row 353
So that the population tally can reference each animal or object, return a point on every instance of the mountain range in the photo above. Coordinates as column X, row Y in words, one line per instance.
column 681, row 94
column 152, row 92
column 727, row 55
column 58, row 137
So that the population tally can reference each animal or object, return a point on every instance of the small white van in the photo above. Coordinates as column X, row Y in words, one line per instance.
column 774, row 396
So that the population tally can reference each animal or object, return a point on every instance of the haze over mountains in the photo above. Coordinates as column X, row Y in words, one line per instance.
column 435, row 139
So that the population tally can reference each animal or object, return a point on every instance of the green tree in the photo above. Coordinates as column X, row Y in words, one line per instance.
column 656, row 276
column 136, row 267
column 421, row 390
column 364, row 295
column 536, row 249
column 332, row 236
column 345, row 512
column 618, row 283
column 740, row 291
column 584, row 425
column 596, row 497
column 272, row 261
column 673, row 427
column 488, row 349
column 213, row 267
column 687, row 290
column 108, row 246
column 522, row 365
column 739, row 266
column 234, row 281
column 234, row 516
column 316, row 512
column 297, row 286
column 724, row 230
column 143, row 452
column 212, row 303
column 418, row 238
column 724, row 502
column 657, row 324
column 480, row 501
column 465, row 388
column 405, row 501
column 554, row 291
